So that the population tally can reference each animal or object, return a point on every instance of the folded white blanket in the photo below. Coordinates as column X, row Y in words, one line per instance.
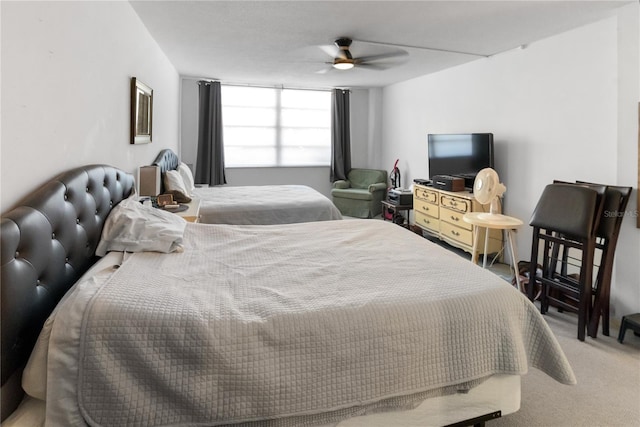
column 133, row 227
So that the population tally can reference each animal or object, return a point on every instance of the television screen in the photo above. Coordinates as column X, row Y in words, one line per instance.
column 462, row 155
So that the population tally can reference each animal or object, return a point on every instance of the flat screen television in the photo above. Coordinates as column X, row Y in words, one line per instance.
column 461, row 155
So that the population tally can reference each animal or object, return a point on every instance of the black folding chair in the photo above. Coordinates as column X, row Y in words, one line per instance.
column 564, row 219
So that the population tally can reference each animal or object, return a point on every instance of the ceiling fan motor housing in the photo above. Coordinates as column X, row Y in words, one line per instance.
column 343, row 54
column 343, row 42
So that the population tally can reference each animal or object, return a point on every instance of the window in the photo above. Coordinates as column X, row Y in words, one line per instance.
column 276, row 127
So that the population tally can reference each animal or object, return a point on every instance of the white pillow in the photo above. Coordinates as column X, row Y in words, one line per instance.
column 132, row 227
column 173, row 182
column 187, row 178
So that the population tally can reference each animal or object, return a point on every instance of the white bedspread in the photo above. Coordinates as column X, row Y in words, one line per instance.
column 258, row 322
column 264, row 204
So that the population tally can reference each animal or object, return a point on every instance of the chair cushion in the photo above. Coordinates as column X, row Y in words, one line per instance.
column 566, row 208
column 362, row 178
column 352, row 193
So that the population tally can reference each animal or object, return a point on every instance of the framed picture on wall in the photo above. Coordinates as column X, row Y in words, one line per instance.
column 141, row 112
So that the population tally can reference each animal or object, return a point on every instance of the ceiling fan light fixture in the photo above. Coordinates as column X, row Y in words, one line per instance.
column 343, row 65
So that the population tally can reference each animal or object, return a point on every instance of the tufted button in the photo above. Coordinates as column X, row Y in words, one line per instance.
column 38, row 282
column 66, row 260
column 53, row 235
column 17, row 254
column 66, row 197
column 110, row 202
column 77, row 220
column 87, row 189
column 96, row 211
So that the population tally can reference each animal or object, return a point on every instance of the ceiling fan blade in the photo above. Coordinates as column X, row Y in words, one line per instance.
column 369, row 66
column 324, row 70
column 330, row 50
column 396, row 54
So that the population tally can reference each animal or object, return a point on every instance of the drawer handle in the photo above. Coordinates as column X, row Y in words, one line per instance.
column 425, row 208
column 455, row 218
column 426, row 221
column 455, row 233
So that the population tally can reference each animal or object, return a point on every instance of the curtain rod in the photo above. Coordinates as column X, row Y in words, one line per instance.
column 266, row 86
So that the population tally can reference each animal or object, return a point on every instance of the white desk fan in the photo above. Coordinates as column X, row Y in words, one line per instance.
column 487, row 188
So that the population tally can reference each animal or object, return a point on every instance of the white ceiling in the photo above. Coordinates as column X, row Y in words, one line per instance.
column 276, row 42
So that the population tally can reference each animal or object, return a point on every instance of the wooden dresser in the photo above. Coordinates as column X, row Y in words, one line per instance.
column 440, row 212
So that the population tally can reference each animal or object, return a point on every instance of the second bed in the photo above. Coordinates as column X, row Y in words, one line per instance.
column 256, row 205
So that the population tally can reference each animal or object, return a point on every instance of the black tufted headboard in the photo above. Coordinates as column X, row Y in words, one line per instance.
column 47, row 244
column 167, row 160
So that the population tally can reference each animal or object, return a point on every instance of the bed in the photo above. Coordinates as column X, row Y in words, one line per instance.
column 261, row 204
column 274, row 325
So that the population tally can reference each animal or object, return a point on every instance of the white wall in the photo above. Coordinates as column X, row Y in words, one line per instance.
column 553, row 109
column 359, row 112
column 625, row 292
column 374, row 139
column 66, row 70
column 314, row 177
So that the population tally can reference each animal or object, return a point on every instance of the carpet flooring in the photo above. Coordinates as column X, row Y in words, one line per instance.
column 608, row 390
column 608, row 373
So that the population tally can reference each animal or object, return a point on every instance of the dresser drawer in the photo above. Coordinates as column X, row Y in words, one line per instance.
column 460, row 205
column 456, row 233
column 425, row 194
column 426, row 208
column 428, row 222
column 455, row 218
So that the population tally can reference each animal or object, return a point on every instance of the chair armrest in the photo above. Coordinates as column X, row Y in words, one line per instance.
column 341, row 183
column 378, row 186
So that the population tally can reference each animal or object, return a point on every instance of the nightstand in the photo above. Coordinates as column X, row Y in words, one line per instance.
column 395, row 210
column 193, row 212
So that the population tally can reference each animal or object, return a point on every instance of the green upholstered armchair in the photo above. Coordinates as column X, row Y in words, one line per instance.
column 361, row 193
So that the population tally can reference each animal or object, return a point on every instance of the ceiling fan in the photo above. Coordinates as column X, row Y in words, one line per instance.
column 343, row 59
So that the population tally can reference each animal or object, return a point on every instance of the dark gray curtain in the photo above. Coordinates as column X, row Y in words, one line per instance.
column 210, row 158
column 340, row 135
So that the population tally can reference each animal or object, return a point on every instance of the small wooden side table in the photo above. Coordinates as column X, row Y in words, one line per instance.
column 396, row 209
column 193, row 212
column 494, row 221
